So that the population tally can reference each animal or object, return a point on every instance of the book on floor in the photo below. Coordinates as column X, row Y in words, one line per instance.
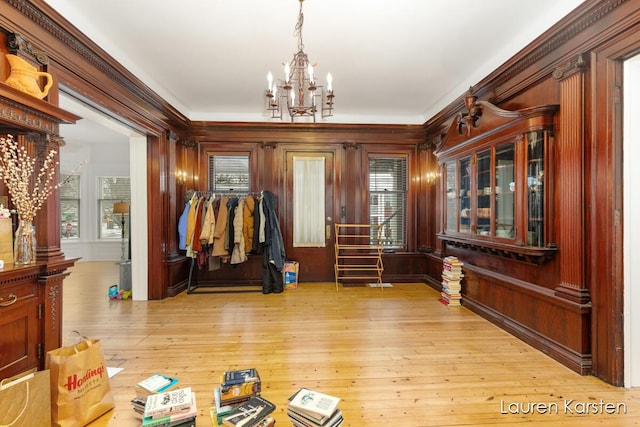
column 249, row 413
column 168, row 402
column 156, row 383
column 175, row 418
column 313, row 404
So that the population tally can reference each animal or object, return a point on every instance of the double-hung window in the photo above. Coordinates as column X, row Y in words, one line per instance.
column 111, row 190
column 388, row 199
column 69, row 192
column 229, row 173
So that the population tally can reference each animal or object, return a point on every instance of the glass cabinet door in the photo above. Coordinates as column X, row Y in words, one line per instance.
column 452, row 197
column 504, row 206
column 484, row 189
column 465, row 195
column 535, row 188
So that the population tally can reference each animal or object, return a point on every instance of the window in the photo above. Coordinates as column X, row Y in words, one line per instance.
column 69, row 191
column 112, row 190
column 229, row 173
column 388, row 199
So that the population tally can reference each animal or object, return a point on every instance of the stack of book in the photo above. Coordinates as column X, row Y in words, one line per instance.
column 175, row 408
column 255, row 412
column 154, row 384
column 236, row 387
column 451, row 277
column 309, row 408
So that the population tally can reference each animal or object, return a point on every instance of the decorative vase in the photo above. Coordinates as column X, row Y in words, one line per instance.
column 24, row 245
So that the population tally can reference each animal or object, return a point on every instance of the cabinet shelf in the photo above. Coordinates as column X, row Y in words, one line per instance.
column 530, row 254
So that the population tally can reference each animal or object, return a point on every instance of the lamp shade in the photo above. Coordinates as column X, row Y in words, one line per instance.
column 121, row 208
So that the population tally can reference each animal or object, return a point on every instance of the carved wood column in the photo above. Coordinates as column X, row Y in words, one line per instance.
column 269, row 165
column 351, row 186
column 175, row 200
column 47, row 220
column 569, row 152
column 426, row 198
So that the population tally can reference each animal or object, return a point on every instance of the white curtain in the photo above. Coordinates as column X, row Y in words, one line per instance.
column 308, row 202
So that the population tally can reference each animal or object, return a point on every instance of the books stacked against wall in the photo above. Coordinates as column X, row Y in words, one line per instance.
column 156, row 383
column 236, row 387
column 255, row 412
column 174, row 408
column 451, row 277
column 309, row 408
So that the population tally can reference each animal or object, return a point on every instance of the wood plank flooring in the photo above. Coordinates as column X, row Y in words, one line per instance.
column 396, row 357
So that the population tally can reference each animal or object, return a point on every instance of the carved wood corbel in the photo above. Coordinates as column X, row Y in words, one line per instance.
column 350, row 146
column 468, row 119
column 268, row 144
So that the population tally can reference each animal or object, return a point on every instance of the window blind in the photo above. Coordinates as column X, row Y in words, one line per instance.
column 229, row 173
column 388, row 198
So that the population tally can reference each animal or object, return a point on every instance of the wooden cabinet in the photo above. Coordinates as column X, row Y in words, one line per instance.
column 31, row 295
column 30, row 314
column 497, row 174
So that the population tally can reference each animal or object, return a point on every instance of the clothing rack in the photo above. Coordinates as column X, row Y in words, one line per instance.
column 192, row 282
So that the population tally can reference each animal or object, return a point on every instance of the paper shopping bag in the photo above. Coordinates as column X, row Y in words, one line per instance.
column 25, row 400
column 80, row 390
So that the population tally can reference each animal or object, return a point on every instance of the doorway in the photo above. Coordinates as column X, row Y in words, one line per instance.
column 631, row 233
column 112, row 142
column 309, row 209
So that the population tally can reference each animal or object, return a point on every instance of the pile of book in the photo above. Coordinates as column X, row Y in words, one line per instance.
column 174, row 408
column 309, row 408
column 239, row 393
column 255, row 412
column 154, row 384
column 451, row 276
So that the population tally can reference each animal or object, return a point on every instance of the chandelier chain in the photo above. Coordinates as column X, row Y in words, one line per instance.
column 298, row 29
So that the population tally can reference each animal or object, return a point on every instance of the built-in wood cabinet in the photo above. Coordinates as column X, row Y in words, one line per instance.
column 31, row 295
column 496, row 176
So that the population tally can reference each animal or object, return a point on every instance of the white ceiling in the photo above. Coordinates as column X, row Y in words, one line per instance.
column 398, row 61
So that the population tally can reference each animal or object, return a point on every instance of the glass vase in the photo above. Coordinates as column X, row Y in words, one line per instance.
column 24, row 245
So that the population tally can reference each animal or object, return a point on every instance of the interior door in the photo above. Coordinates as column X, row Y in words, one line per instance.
column 309, row 235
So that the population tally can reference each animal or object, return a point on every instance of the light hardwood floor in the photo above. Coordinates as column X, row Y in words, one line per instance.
column 396, row 357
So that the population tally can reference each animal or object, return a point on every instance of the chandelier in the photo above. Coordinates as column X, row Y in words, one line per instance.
column 299, row 94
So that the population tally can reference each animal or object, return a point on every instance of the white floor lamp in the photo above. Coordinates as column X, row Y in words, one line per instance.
column 122, row 209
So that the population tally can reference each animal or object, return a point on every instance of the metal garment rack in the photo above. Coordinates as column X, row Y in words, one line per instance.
column 192, row 282
column 358, row 252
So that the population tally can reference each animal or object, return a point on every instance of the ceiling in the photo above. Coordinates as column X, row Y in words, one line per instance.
column 398, row 61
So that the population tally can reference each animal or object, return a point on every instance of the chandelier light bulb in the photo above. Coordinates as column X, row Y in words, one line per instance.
column 287, row 71
column 310, row 68
column 270, row 80
column 329, row 82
